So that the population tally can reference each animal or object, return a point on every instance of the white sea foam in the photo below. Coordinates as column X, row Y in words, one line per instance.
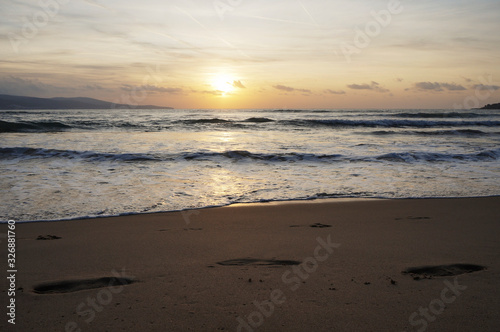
column 69, row 164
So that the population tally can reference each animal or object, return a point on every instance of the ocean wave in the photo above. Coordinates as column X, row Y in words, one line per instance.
column 204, row 121
column 40, row 153
column 259, row 120
column 32, row 153
column 458, row 132
column 298, row 111
column 256, row 123
column 16, row 112
column 444, row 115
column 34, row 126
column 385, row 123
column 57, row 126
column 243, row 155
column 341, row 123
column 408, row 157
column 217, row 121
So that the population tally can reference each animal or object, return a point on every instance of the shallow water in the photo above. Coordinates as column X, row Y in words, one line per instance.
column 63, row 164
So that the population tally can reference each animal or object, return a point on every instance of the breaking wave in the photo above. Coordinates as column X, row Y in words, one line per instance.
column 243, row 155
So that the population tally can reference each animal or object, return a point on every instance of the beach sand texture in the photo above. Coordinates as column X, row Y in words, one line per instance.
column 325, row 265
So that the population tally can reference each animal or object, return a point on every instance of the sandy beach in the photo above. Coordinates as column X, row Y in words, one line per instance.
column 325, row 265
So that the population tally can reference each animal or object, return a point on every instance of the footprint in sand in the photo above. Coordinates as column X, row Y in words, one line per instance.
column 428, row 272
column 48, row 237
column 254, row 261
column 316, row 225
column 69, row 286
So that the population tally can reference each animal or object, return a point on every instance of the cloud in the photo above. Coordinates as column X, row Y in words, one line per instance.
column 94, row 3
column 335, row 92
column 428, row 86
column 484, row 87
column 212, row 92
column 453, row 87
column 238, row 84
column 290, row 89
column 14, row 85
column 92, row 87
column 374, row 86
column 151, row 88
column 436, row 86
column 284, row 88
column 359, row 86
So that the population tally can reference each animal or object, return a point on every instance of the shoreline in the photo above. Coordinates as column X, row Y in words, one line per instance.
column 285, row 201
column 343, row 265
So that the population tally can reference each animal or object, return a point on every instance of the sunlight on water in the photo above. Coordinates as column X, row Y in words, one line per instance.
column 114, row 162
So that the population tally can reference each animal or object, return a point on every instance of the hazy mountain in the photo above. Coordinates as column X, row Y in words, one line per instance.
column 8, row 102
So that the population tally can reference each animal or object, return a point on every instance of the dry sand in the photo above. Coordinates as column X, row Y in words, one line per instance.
column 263, row 267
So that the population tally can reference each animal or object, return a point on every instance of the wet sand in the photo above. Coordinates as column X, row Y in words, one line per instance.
column 325, row 265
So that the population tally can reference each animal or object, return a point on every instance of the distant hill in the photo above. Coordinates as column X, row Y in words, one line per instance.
column 8, row 102
column 491, row 107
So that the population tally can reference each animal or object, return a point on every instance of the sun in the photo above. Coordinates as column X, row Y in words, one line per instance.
column 223, row 83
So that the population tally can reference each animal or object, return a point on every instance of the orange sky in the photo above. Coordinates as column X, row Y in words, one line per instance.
column 255, row 54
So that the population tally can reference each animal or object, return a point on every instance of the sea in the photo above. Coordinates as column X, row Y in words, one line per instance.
column 67, row 164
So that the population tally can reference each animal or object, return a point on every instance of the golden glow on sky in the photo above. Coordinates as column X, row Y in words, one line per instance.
column 255, row 54
column 223, row 83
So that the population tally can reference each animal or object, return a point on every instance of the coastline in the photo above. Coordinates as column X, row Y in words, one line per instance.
column 257, row 266
column 258, row 203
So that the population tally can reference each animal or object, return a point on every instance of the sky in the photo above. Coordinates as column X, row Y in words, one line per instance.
column 254, row 54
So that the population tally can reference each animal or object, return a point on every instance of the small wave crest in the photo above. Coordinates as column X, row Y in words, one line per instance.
column 218, row 121
column 259, row 120
column 458, row 132
column 205, row 121
column 238, row 154
column 242, row 155
column 443, row 115
column 342, row 123
column 35, row 126
column 409, row 157
column 32, row 153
